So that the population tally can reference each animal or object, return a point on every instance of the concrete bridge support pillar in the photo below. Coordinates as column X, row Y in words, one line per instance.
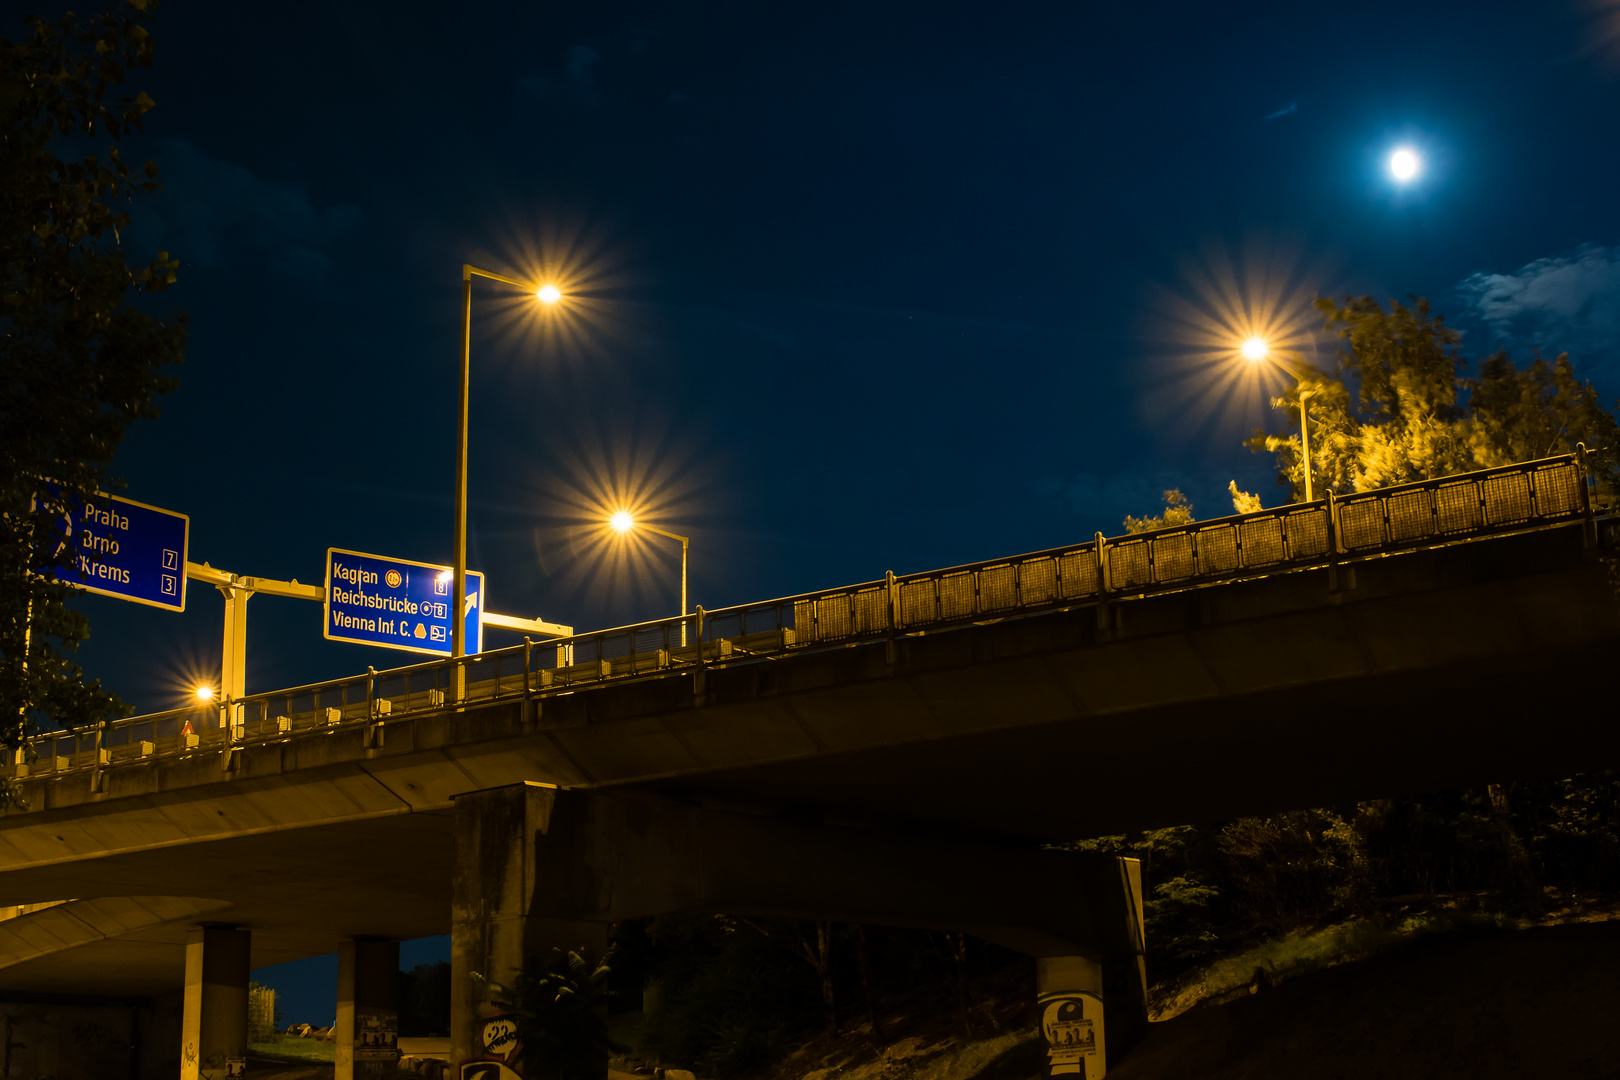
column 214, row 1011
column 367, row 1010
column 1075, row 993
column 494, row 929
column 537, row 867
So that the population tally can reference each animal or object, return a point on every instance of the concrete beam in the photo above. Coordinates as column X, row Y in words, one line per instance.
column 570, row 859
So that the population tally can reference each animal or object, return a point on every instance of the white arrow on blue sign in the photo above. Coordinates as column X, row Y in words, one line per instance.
column 127, row 549
column 397, row 603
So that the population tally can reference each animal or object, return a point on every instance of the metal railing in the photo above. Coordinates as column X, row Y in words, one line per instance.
column 1507, row 499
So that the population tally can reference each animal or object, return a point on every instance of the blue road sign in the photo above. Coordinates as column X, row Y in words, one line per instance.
column 129, row 550
column 398, row 604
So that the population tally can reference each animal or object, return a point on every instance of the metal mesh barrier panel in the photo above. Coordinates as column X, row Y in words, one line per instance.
column 1173, row 557
column 1129, row 564
column 1263, row 542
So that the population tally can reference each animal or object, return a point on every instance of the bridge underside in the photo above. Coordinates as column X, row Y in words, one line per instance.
column 1424, row 671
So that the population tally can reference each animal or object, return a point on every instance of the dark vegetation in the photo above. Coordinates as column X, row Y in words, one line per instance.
column 80, row 357
column 726, row 997
column 424, row 1001
column 1511, row 848
column 559, row 1007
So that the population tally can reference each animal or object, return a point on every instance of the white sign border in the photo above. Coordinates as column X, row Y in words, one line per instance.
column 185, row 554
column 326, row 603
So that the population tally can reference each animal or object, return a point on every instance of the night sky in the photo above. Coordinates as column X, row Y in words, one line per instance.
column 852, row 287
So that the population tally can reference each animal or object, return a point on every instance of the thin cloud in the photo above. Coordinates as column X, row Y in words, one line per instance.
column 1562, row 303
column 213, row 214
column 1288, row 110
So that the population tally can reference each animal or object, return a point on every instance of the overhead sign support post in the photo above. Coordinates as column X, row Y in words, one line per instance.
column 237, row 590
column 399, row 603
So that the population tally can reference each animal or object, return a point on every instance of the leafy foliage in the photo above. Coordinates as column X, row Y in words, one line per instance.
column 558, row 1008
column 79, row 362
column 731, row 996
column 424, row 1000
column 1177, row 511
column 1401, row 407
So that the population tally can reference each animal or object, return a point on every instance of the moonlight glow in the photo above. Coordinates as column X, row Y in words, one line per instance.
column 1403, row 164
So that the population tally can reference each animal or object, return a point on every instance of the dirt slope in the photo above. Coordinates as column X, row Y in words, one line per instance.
column 1543, row 1002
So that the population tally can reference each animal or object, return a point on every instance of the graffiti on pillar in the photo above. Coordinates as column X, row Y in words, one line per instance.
column 1071, row 1024
column 500, row 1037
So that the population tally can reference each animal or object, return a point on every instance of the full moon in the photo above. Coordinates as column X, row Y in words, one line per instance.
column 1404, row 164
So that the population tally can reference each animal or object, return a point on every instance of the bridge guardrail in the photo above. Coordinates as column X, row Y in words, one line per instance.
column 1511, row 498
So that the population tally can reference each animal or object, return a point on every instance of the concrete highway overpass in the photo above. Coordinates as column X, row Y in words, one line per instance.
column 1416, row 639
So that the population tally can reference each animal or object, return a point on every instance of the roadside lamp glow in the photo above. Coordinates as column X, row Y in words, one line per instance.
column 623, row 523
column 205, row 693
column 1254, row 350
column 548, row 294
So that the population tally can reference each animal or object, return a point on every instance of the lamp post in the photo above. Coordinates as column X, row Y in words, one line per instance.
column 545, row 294
column 1254, row 350
column 624, row 522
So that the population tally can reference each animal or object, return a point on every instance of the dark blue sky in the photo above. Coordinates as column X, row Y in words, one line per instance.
column 870, row 287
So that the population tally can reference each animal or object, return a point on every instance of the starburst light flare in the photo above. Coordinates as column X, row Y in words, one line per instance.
column 1225, row 334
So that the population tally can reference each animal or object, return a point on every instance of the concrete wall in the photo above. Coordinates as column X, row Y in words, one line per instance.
column 68, row 1042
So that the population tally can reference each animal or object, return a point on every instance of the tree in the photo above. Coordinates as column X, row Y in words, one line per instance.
column 559, row 1010
column 1177, row 511
column 1415, row 414
column 79, row 361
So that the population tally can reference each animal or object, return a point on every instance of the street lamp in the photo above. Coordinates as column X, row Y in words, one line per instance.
column 546, row 294
column 623, row 522
column 1255, row 350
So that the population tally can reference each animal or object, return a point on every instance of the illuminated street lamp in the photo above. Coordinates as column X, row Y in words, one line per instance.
column 205, row 694
column 624, row 522
column 546, row 294
column 1255, row 350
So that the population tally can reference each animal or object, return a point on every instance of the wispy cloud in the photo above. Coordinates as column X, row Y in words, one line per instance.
column 1288, row 110
column 1568, row 302
column 213, row 214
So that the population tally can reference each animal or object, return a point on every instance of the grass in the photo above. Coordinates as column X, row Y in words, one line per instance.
column 292, row 1048
column 1304, row 951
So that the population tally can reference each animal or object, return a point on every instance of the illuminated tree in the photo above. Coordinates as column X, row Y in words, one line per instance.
column 1401, row 407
